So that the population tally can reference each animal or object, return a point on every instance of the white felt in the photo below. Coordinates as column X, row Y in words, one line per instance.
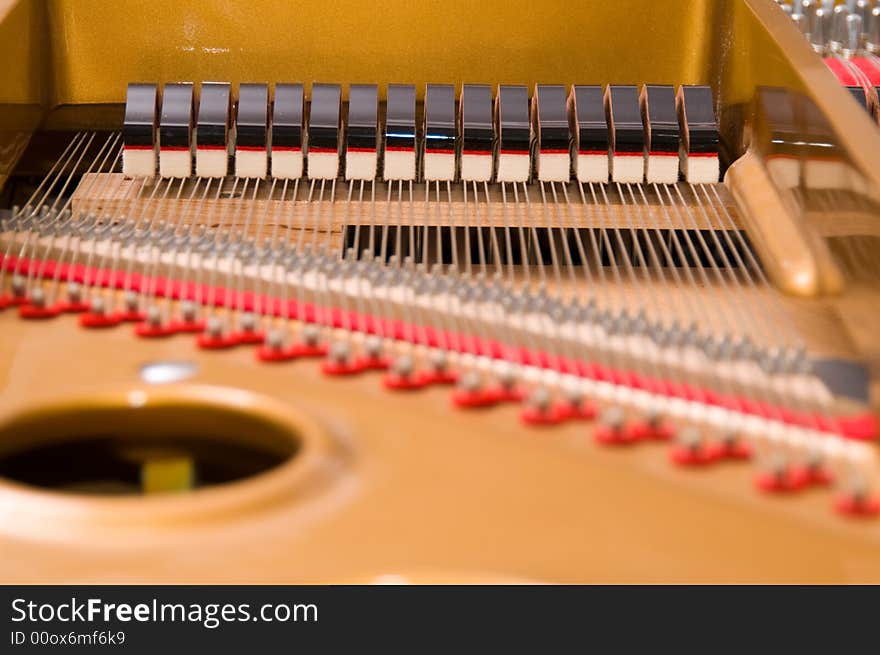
column 439, row 166
column 627, row 168
column 323, row 165
column 211, row 162
column 476, row 168
column 287, row 164
column 175, row 163
column 513, row 168
column 554, row 166
column 400, row 165
column 360, row 165
column 592, row 168
column 661, row 169
column 251, row 163
column 138, row 163
column 700, row 170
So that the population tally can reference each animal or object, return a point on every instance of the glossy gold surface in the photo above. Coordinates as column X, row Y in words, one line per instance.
column 100, row 45
column 24, row 79
column 70, row 55
column 403, row 488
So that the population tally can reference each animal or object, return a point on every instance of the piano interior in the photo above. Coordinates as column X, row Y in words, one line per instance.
column 436, row 293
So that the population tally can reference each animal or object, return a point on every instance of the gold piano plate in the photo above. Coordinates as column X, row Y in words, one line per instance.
column 385, row 483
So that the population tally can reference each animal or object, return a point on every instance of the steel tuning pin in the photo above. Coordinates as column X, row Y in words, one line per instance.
column 818, row 34
column 807, row 9
column 863, row 10
column 853, row 35
column 838, row 28
column 800, row 21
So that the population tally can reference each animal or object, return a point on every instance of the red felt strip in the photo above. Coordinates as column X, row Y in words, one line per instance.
column 859, row 426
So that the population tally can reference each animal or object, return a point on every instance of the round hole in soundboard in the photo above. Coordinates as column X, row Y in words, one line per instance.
column 146, row 444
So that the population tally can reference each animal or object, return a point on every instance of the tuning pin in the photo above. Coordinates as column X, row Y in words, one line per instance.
column 856, row 499
column 818, row 35
column 838, row 28
column 873, row 38
column 853, row 35
column 863, row 10
column 402, row 374
column 807, row 7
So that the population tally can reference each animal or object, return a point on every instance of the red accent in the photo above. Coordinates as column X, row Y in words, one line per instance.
column 554, row 151
column 187, row 327
column 840, row 69
column 703, row 155
column 350, row 149
column 147, row 331
column 251, row 148
column 213, row 148
column 474, row 399
column 286, row 148
column 603, row 153
column 736, row 450
column 653, row 153
column 302, row 350
column 869, row 68
column 72, row 307
column 487, row 153
column 703, row 455
column 408, row 383
column 793, row 479
column 629, row 154
column 359, row 365
column 130, row 317
column 440, row 377
column 848, row 505
column 820, row 476
column 9, row 300
column 296, row 351
column 376, row 363
column 583, row 411
column 247, row 338
column 860, row 426
column 610, row 436
column 100, row 321
column 127, row 147
column 505, row 151
column 268, row 354
column 37, row 313
column 332, row 367
column 316, row 149
column 207, row 342
column 553, row 415
column 646, row 430
column 487, row 397
column 512, row 395
column 439, row 151
column 173, row 149
column 399, row 149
